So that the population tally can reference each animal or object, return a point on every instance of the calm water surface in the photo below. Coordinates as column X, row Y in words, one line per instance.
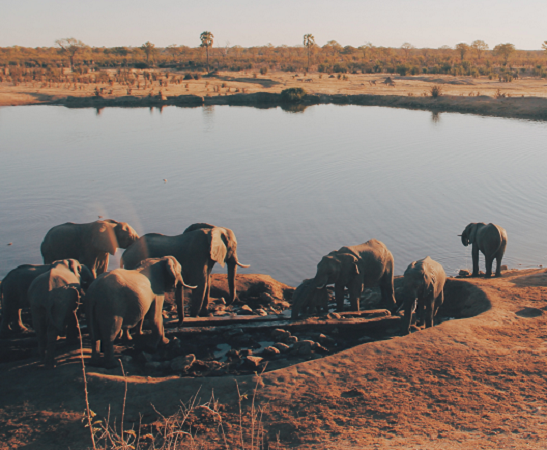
column 293, row 186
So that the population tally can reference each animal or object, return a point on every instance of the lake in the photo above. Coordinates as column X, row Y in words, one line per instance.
column 292, row 186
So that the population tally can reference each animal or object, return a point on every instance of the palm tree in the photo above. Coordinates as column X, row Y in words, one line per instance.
column 206, row 41
column 309, row 42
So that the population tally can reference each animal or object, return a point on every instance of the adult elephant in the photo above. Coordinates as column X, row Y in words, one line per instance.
column 14, row 294
column 423, row 286
column 356, row 267
column 122, row 298
column 491, row 240
column 54, row 296
column 197, row 249
column 89, row 243
column 307, row 298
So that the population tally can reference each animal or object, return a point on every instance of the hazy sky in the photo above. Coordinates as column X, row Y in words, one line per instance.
column 389, row 23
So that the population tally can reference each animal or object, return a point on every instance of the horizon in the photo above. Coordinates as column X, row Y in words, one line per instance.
column 422, row 23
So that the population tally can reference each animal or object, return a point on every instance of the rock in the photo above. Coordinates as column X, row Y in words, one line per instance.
column 182, row 363
column 325, row 340
column 280, row 335
column 320, row 349
column 253, row 362
column 334, row 315
column 244, row 340
column 504, row 268
column 282, row 347
column 305, row 349
column 271, row 351
column 153, row 365
column 266, row 298
column 281, row 304
column 232, row 333
column 246, row 310
column 232, row 354
column 292, row 340
column 261, row 312
column 464, row 273
column 364, row 339
column 204, row 366
column 147, row 356
column 251, row 285
column 126, row 358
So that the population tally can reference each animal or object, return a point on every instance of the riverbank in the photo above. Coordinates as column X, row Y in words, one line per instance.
column 523, row 98
column 469, row 383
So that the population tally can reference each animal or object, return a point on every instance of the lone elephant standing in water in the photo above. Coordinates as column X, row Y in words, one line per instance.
column 491, row 240
column 423, row 291
column 356, row 267
column 197, row 250
column 89, row 243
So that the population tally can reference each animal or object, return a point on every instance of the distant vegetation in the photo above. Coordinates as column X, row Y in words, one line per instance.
column 504, row 61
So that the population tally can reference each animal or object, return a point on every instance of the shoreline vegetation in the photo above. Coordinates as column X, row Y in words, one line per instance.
column 525, row 98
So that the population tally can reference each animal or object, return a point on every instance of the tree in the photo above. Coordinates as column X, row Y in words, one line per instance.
column 173, row 50
column 406, row 48
column 206, row 41
column 544, row 46
column 309, row 43
column 366, row 49
column 149, row 50
column 462, row 48
column 480, row 47
column 70, row 46
column 504, row 51
column 334, row 45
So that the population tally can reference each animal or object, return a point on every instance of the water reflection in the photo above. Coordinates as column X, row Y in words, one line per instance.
column 435, row 116
column 298, row 108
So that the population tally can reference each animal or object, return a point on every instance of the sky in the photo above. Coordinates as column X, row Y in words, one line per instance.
column 387, row 23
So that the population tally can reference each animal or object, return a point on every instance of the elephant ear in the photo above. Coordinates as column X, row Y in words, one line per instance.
column 172, row 271
column 61, row 274
column 103, row 237
column 350, row 266
column 471, row 232
column 218, row 247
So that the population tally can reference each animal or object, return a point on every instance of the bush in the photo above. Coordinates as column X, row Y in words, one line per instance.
column 188, row 76
column 424, row 69
column 436, row 91
column 293, row 95
column 402, row 70
column 141, row 65
column 197, row 76
column 263, row 70
column 339, row 68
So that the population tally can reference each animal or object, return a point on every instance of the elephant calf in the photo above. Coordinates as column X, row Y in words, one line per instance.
column 54, row 296
column 307, row 297
column 356, row 267
column 122, row 298
column 14, row 293
column 491, row 240
column 423, row 291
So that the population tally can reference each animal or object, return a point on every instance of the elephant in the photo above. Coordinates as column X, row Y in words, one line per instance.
column 306, row 297
column 197, row 249
column 121, row 299
column 89, row 243
column 356, row 267
column 14, row 294
column 54, row 296
column 423, row 285
column 491, row 240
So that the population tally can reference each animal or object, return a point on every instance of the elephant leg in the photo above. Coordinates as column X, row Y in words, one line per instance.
column 388, row 294
column 475, row 258
column 18, row 323
column 499, row 256
column 429, row 311
column 51, row 345
column 158, row 332
column 438, row 302
column 198, row 294
column 109, row 332
column 407, row 320
column 355, row 290
column 125, row 334
column 205, row 305
column 488, row 262
column 7, row 314
column 339, row 294
column 232, row 272
column 179, row 301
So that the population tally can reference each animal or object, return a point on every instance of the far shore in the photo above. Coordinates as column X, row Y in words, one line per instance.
column 523, row 98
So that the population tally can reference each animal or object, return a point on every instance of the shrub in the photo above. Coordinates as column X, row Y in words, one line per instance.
column 402, row 70
column 263, row 70
column 140, row 65
column 293, row 95
column 339, row 68
column 436, row 91
column 197, row 76
column 424, row 69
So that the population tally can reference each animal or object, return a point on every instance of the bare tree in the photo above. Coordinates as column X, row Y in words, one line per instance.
column 149, row 50
column 406, row 48
column 206, row 41
column 462, row 49
column 480, row 47
column 309, row 42
column 504, row 51
column 71, row 47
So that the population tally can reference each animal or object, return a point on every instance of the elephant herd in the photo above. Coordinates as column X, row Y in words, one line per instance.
column 75, row 272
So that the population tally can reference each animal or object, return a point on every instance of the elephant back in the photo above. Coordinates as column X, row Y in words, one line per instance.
column 150, row 245
column 62, row 242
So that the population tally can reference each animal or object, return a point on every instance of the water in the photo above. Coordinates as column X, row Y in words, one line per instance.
column 292, row 186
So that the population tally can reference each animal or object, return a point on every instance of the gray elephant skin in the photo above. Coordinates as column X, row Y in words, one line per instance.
column 357, row 267
column 423, row 286
column 90, row 243
column 197, row 250
column 491, row 240
column 14, row 293
column 122, row 298
column 54, row 296
column 308, row 299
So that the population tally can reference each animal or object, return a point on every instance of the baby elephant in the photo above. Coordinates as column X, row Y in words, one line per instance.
column 491, row 240
column 423, row 284
column 122, row 298
column 53, row 298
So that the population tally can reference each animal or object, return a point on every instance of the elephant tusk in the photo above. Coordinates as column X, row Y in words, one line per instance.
column 320, row 287
column 189, row 287
column 245, row 266
column 459, row 234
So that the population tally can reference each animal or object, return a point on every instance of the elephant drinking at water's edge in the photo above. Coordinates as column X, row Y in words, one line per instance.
column 197, row 249
column 491, row 240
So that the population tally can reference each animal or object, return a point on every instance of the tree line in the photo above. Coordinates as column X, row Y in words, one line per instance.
column 473, row 59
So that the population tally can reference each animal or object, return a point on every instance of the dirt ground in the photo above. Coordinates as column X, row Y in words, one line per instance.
column 229, row 83
column 470, row 383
